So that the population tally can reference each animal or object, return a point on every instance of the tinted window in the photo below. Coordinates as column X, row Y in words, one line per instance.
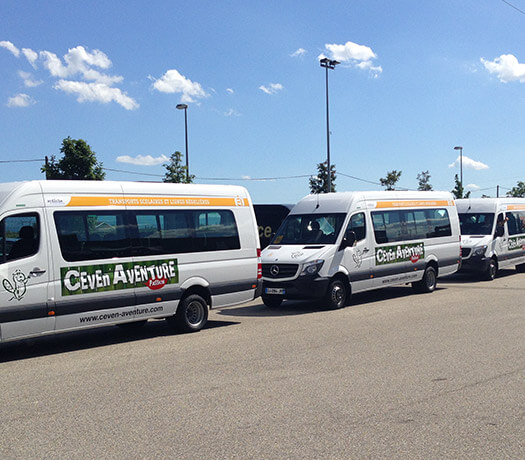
column 406, row 224
column 357, row 225
column 85, row 235
column 516, row 222
column 19, row 236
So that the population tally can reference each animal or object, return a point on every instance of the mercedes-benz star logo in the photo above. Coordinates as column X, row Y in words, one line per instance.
column 274, row 270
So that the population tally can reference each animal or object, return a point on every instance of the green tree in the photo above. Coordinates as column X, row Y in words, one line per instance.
column 518, row 191
column 176, row 172
column 459, row 191
column 391, row 179
column 318, row 184
column 424, row 181
column 79, row 162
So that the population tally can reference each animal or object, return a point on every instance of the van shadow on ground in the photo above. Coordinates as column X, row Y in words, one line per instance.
column 471, row 277
column 301, row 307
column 90, row 338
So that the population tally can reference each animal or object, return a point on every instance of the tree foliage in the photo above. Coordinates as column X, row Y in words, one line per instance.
column 318, row 184
column 79, row 162
column 518, row 191
column 176, row 172
column 424, row 181
column 459, row 191
column 391, row 179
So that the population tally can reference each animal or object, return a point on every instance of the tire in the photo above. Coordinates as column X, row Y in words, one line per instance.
column 428, row 283
column 191, row 316
column 490, row 273
column 134, row 325
column 520, row 268
column 272, row 301
column 336, row 295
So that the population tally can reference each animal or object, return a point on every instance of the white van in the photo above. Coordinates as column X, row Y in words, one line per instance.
column 332, row 245
column 493, row 234
column 78, row 254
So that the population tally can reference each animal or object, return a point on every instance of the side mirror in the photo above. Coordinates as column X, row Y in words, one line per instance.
column 500, row 231
column 348, row 240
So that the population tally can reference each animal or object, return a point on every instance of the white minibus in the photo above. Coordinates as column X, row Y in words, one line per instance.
column 78, row 254
column 493, row 234
column 336, row 244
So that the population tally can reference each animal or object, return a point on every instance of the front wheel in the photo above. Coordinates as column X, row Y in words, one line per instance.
column 491, row 271
column 336, row 294
column 272, row 301
column 428, row 282
column 191, row 316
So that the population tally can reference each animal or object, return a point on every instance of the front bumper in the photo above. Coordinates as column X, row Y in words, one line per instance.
column 475, row 264
column 304, row 287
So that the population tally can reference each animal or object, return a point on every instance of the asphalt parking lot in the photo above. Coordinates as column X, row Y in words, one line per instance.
column 394, row 375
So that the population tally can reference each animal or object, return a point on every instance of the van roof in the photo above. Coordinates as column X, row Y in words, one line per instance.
column 344, row 201
column 465, row 205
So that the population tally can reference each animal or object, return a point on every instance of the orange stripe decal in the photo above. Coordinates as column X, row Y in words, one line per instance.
column 149, row 201
column 414, row 204
column 516, row 207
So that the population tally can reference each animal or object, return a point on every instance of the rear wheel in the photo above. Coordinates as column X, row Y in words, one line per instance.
column 520, row 268
column 491, row 271
column 272, row 301
column 336, row 294
column 428, row 283
column 192, row 314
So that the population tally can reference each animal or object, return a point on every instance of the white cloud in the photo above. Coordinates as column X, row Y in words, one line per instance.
column 506, row 67
column 299, row 52
column 272, row 88
column 472, row 187
column 232, row 113
column 469, row 163
column 9, row 46
column 173, row 82
column 79, row 61
column 20, row 100
column 28, row 79
column 143, row 160
column 230, row 91
column 99, row 92
column 31, row 56
column 354, row 55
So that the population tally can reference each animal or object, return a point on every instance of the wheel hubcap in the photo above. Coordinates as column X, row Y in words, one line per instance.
column 337, row 295
column 194, row 313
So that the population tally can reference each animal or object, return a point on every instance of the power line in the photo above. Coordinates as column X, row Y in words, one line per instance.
column 515, row 7
column 22, row 161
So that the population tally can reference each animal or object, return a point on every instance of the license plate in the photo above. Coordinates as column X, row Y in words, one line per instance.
column 279, row 291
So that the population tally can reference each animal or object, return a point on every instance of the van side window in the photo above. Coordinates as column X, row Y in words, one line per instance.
column 516, row 222
column 405, row 224
column 174, row 232
column 86, row 235
column 357, row 225
column 19, row 236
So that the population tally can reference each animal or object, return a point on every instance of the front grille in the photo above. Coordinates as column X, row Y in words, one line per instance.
column 276, row 271
column 465, row 252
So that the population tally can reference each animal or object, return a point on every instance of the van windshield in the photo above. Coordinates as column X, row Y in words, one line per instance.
column 309, row 229
column 476, row 223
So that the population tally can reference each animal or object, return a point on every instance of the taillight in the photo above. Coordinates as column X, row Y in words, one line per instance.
column 259, row 264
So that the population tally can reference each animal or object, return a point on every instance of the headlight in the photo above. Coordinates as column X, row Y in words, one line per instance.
column 311, row 268
column 480, row 251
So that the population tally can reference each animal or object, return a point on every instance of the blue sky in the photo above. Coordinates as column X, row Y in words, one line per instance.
column 416, row 79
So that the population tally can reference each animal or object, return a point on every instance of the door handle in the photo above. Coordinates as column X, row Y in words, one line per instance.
column 366, row 249
column 36, row 272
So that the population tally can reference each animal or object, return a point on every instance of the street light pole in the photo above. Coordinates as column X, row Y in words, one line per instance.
column 460, row 163
column 328, row 64
column 185, row 108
